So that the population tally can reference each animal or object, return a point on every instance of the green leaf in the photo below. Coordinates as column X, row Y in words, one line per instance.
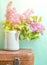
column 40, row 19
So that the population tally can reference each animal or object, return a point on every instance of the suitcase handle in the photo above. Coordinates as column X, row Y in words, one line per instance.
column 16, row 61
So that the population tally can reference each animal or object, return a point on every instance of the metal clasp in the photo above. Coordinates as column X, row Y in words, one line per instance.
column 16, row 61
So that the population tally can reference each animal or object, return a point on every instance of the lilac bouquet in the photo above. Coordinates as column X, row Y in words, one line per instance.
column 29, row 26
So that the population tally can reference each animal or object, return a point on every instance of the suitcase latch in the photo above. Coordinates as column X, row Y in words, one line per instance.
column 16, row 61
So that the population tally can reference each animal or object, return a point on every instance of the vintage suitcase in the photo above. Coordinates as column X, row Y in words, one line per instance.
column 19, row 57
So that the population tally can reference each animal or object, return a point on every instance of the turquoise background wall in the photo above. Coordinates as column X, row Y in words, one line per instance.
column 38, row 46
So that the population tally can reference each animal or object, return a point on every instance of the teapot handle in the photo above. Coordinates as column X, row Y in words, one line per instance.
column 17, row 35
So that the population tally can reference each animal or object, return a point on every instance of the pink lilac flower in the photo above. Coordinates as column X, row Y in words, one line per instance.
column 26, row 15
column 33, row 27
column 40, row 27
column 12, row 14
column 36, row 26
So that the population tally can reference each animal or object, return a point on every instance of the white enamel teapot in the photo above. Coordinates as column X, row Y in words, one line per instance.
column 12, row 40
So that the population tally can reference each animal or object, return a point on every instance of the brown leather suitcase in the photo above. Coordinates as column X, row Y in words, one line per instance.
column 19, row 57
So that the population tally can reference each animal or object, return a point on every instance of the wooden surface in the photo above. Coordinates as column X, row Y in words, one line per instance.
column 25, row 56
